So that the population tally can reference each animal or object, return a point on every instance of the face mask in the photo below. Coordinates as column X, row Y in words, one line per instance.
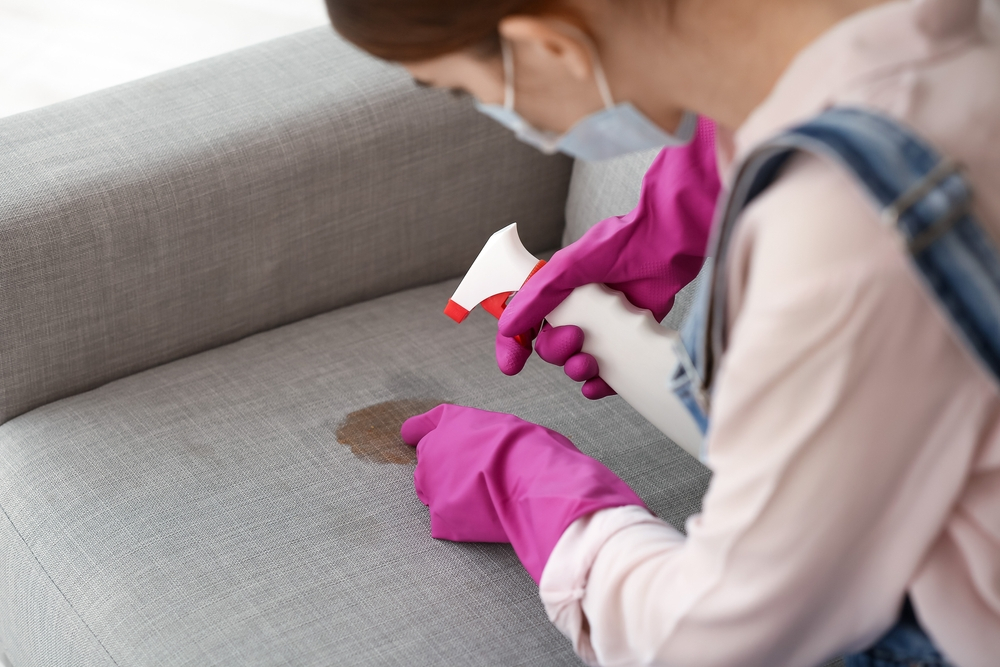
column 617, row 130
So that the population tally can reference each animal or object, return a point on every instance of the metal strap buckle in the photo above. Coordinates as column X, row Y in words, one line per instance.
column 892, row 213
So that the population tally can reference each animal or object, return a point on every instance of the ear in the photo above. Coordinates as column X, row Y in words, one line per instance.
column 552, row 37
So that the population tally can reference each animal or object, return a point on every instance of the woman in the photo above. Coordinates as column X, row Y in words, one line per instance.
column 855, row 502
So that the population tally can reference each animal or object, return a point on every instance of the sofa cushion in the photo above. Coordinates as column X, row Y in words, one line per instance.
column 204, row 513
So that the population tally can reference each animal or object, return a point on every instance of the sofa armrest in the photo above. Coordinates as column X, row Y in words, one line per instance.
column 164, row 217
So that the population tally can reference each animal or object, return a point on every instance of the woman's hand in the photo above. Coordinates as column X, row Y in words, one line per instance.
column 648, row 255
column 492, row 477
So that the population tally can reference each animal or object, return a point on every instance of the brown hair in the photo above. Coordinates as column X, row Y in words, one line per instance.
column 415, row 30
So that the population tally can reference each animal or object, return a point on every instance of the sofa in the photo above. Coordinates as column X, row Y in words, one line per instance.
column 221, row 291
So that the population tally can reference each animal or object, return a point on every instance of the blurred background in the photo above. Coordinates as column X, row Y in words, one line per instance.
column 53, row 50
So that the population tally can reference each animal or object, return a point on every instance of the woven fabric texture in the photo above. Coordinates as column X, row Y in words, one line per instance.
column 204, row 513
column 154, row 220
column 34, row 614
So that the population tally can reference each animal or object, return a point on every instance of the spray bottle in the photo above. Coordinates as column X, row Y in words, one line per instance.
column 634, row 352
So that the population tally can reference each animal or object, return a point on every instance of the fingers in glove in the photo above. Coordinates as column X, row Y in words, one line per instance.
column 536, row 299
column 596, row 389
column 557, row 344
column 581, row 367
column 511, row 355
column 415, row 428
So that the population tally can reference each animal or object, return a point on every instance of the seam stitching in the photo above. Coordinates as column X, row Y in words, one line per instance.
column 56, row 586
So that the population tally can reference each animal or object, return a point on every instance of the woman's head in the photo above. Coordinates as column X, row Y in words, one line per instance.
column 419, row 30
column 555, row 46
column 717, row 57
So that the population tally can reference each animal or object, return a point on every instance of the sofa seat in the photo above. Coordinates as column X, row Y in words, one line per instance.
column 204, row 513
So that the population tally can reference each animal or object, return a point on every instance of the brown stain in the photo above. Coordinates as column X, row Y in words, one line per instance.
column 372, row 433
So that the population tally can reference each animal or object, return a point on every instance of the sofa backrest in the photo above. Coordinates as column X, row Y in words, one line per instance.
column 168, row 216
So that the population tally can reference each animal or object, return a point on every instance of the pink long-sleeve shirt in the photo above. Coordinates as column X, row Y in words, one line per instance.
column 855, row 444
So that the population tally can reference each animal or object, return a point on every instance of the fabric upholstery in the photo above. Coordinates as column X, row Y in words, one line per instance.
column 203, row 512
column 157, row 219
column 34, row 614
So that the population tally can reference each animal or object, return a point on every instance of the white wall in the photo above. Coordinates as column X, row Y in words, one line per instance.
column 52, row 50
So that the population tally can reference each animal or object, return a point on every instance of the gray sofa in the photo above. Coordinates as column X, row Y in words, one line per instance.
column 205, row 276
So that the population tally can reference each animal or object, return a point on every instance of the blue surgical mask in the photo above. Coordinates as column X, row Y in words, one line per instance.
column 617, row 130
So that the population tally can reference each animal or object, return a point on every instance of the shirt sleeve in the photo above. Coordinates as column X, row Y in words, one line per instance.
column 829, row 444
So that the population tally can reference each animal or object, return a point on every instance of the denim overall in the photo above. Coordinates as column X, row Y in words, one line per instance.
column 926, row 199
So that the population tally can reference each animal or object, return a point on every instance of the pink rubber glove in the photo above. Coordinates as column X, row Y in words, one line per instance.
column 648, row 255
column 491, row 477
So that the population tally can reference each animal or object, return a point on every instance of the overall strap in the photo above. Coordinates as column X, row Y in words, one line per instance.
column 920, row 194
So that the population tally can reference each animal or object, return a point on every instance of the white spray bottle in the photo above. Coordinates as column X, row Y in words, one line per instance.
column 634, row 353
